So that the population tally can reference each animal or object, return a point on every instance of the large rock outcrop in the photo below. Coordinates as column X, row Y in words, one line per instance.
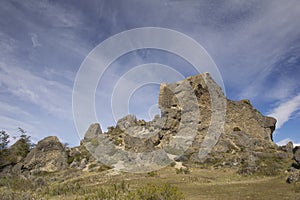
column 49, row 155
column 197, row 124
column 245, row 133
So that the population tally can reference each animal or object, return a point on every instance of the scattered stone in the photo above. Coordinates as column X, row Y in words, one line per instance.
column 294, row 177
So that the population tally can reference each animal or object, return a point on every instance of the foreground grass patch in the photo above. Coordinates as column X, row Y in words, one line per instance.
column 15, row 188
column 165, row 184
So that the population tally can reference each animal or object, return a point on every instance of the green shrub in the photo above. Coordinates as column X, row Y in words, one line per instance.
column 159, row 192
column 183, row 171
column 70, row 160
column 266, row 164
column 152, row 174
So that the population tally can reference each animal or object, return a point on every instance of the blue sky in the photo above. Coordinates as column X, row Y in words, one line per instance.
column 255, row 45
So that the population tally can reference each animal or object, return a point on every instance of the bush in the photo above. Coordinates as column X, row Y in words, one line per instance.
column 183, row 171
column 152, row 174
column 70, row 160
column 266, row 164
column 173, row 164
column 4, row 140
column 159, row 192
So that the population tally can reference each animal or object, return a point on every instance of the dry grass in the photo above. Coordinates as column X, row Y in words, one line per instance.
column 197, row 184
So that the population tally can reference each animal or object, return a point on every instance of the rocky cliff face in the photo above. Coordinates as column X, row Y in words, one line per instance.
column 49, row 155
column 297, row 155
column 198, row 124
column 243, row 128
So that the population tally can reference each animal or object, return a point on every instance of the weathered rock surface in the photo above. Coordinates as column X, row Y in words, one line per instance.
column 245, row 129
column 19, row 150
column 294, row 176
column 79, row 157
column 294, row 171
column 13, row 155
column 93, row 131
column 287, row 148
column 49, row 155
column 197, row 124
column 126, row 122
column 297, row 154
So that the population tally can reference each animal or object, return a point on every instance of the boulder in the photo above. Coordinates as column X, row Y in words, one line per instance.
column 293, row 177
column 93, row 131
column 49, row 155
column 297, row 154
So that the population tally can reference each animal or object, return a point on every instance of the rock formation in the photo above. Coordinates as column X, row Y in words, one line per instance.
column 13, row 155
column 49, row 155
column 245, row 129
column 93, row 131
column 294, row 171
column 198, row 124
column 297, row 154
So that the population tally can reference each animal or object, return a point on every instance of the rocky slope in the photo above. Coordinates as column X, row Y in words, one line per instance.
column 198, row 127
column 198, row 124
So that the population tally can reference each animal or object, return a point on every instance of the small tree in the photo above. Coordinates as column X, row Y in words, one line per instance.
column 23, row 134
column 4, row 140
column 26, row 138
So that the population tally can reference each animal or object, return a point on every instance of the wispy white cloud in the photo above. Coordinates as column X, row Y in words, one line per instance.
column 246, row 39
column 51, row 96
column 11, row 124
column 56, row 14
column 8, row 109
column 51, row 73
column 284, row 111
column 282, row 89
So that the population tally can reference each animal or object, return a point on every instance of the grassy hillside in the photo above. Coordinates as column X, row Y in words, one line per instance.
column 166, row 184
